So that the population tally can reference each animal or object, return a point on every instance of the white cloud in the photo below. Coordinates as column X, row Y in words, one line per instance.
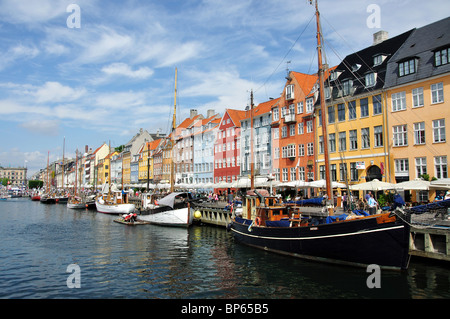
column 56, row 92
column 42, row 127
column 125, row 70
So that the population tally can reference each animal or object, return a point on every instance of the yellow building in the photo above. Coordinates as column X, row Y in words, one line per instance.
column 146, row 161
column 355, row 115
column 418, row 104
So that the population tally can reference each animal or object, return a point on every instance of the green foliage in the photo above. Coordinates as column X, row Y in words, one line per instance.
column 35, row 184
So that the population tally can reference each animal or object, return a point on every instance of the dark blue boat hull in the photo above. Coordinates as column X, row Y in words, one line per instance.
column 358, row 242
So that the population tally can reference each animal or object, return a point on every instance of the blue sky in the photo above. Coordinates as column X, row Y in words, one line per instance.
column 104, row 81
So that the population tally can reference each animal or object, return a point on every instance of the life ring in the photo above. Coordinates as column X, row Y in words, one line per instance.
column 258, row 221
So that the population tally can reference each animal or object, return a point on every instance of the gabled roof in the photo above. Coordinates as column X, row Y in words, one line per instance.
column 421, row 44
column 236, row 116
column 305, row 81
column 262, row 108
column 355, row 66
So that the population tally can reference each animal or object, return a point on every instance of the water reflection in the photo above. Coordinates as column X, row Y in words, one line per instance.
column 39, row 242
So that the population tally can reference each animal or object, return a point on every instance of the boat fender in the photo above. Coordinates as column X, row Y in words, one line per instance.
column 250, row 227
column 258, row 221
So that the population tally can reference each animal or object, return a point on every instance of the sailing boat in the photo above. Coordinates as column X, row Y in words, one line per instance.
column 381, row 239
column 75, row 201
column 173, row 209
column 113, row 201
column 62, row 198
column 47, row 197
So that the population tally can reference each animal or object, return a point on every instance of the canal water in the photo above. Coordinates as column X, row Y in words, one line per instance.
column 47, row 249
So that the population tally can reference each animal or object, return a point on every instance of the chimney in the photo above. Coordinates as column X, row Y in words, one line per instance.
column 209, row 113
column 379, row 37
column 193, row 114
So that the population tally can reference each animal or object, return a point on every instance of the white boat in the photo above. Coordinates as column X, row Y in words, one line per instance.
column 75, row 203
column 172, row 210
column 112, row 202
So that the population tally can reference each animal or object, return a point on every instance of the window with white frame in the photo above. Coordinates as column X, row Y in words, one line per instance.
column 417, row 96
column 290, row 92
column 301, row 149
column 276, row 173
column 332, row 142
column 283, row 111
column 401, row 167
column 284, row 131
column 440, row 167
column 293, row 173
column 285, row 174
column 309, row 126
column 364, row 106
column 400, row 135
column 398, row 101
column 341, row 112
column 291, row 108
column 276, row 153
column 301, row 173
column 352, row 110
column 371, row 79
column 347, row 87
column 309, row 105
column 299, row 107
column 310, row 149
column 376, row 101
column 288, row 151
column 300, row 129
column 437, row 93
column 275, row 133
column 321, row 145
column 439, row 131
column 343, row 171
column 419, row 133
column 292, row 130
column 275, row 114
column 378, row 136
column 421, row 166
column 353, row 172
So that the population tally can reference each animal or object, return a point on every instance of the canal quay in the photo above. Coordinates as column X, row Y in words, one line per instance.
column 51, row 252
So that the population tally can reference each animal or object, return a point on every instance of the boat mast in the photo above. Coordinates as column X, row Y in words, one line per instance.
column 322, row 107
column 62, row 174
column 252, row 164
column 174, row 124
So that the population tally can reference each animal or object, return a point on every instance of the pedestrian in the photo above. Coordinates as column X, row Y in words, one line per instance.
column 345, row 201
column 372, row 205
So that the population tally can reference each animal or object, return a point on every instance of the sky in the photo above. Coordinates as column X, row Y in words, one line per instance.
column 88, row 72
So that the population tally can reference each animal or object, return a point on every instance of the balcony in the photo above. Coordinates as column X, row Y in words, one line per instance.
column 289, row 118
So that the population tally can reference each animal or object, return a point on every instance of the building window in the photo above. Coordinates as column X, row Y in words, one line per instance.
column 301, row 149
column 398, row 101
column 419, row 133
column 290, row 92
column 440, row 166
column 309, row 105
column 342, row 141
column 341, row 112
column 377, row 60
column 441, row 57
column 276, row 133
column 400, row 135
column 293, row 174
column 371, row 79
column 439, row 131
column 332, row 142
column 277, row 174
column 284, row 131
column 322, row 171
column 352, row 110
column 285, row 174
column 376, row 101
column 331, row 114
column 378, row 136
column 353, row 136
column 364, row 103
column 299, row 107
column 292, row 130
column 321, row 148
column 275, row 114
column 301, row 173
column 309, row 126
column 310, row 149
column 417, row 95
column 365, row 138
column 300, row 128
column 276, row 153
column 333, row 172
column 421, row 166
column 407, row 67
column 288, row 151
column 343, row 171
column 401, row 167
column 437, row 93
column 353, row 172
column 347, row 86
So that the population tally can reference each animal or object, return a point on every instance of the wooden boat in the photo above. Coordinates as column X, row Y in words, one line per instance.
column 381, row 239
column 112, row 201
column 130, row 220
column 75, row 202
column 172, row 210
column 48, row 199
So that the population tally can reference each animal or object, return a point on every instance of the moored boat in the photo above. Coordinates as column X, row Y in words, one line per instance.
column 172, row 210
column 112, row 201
